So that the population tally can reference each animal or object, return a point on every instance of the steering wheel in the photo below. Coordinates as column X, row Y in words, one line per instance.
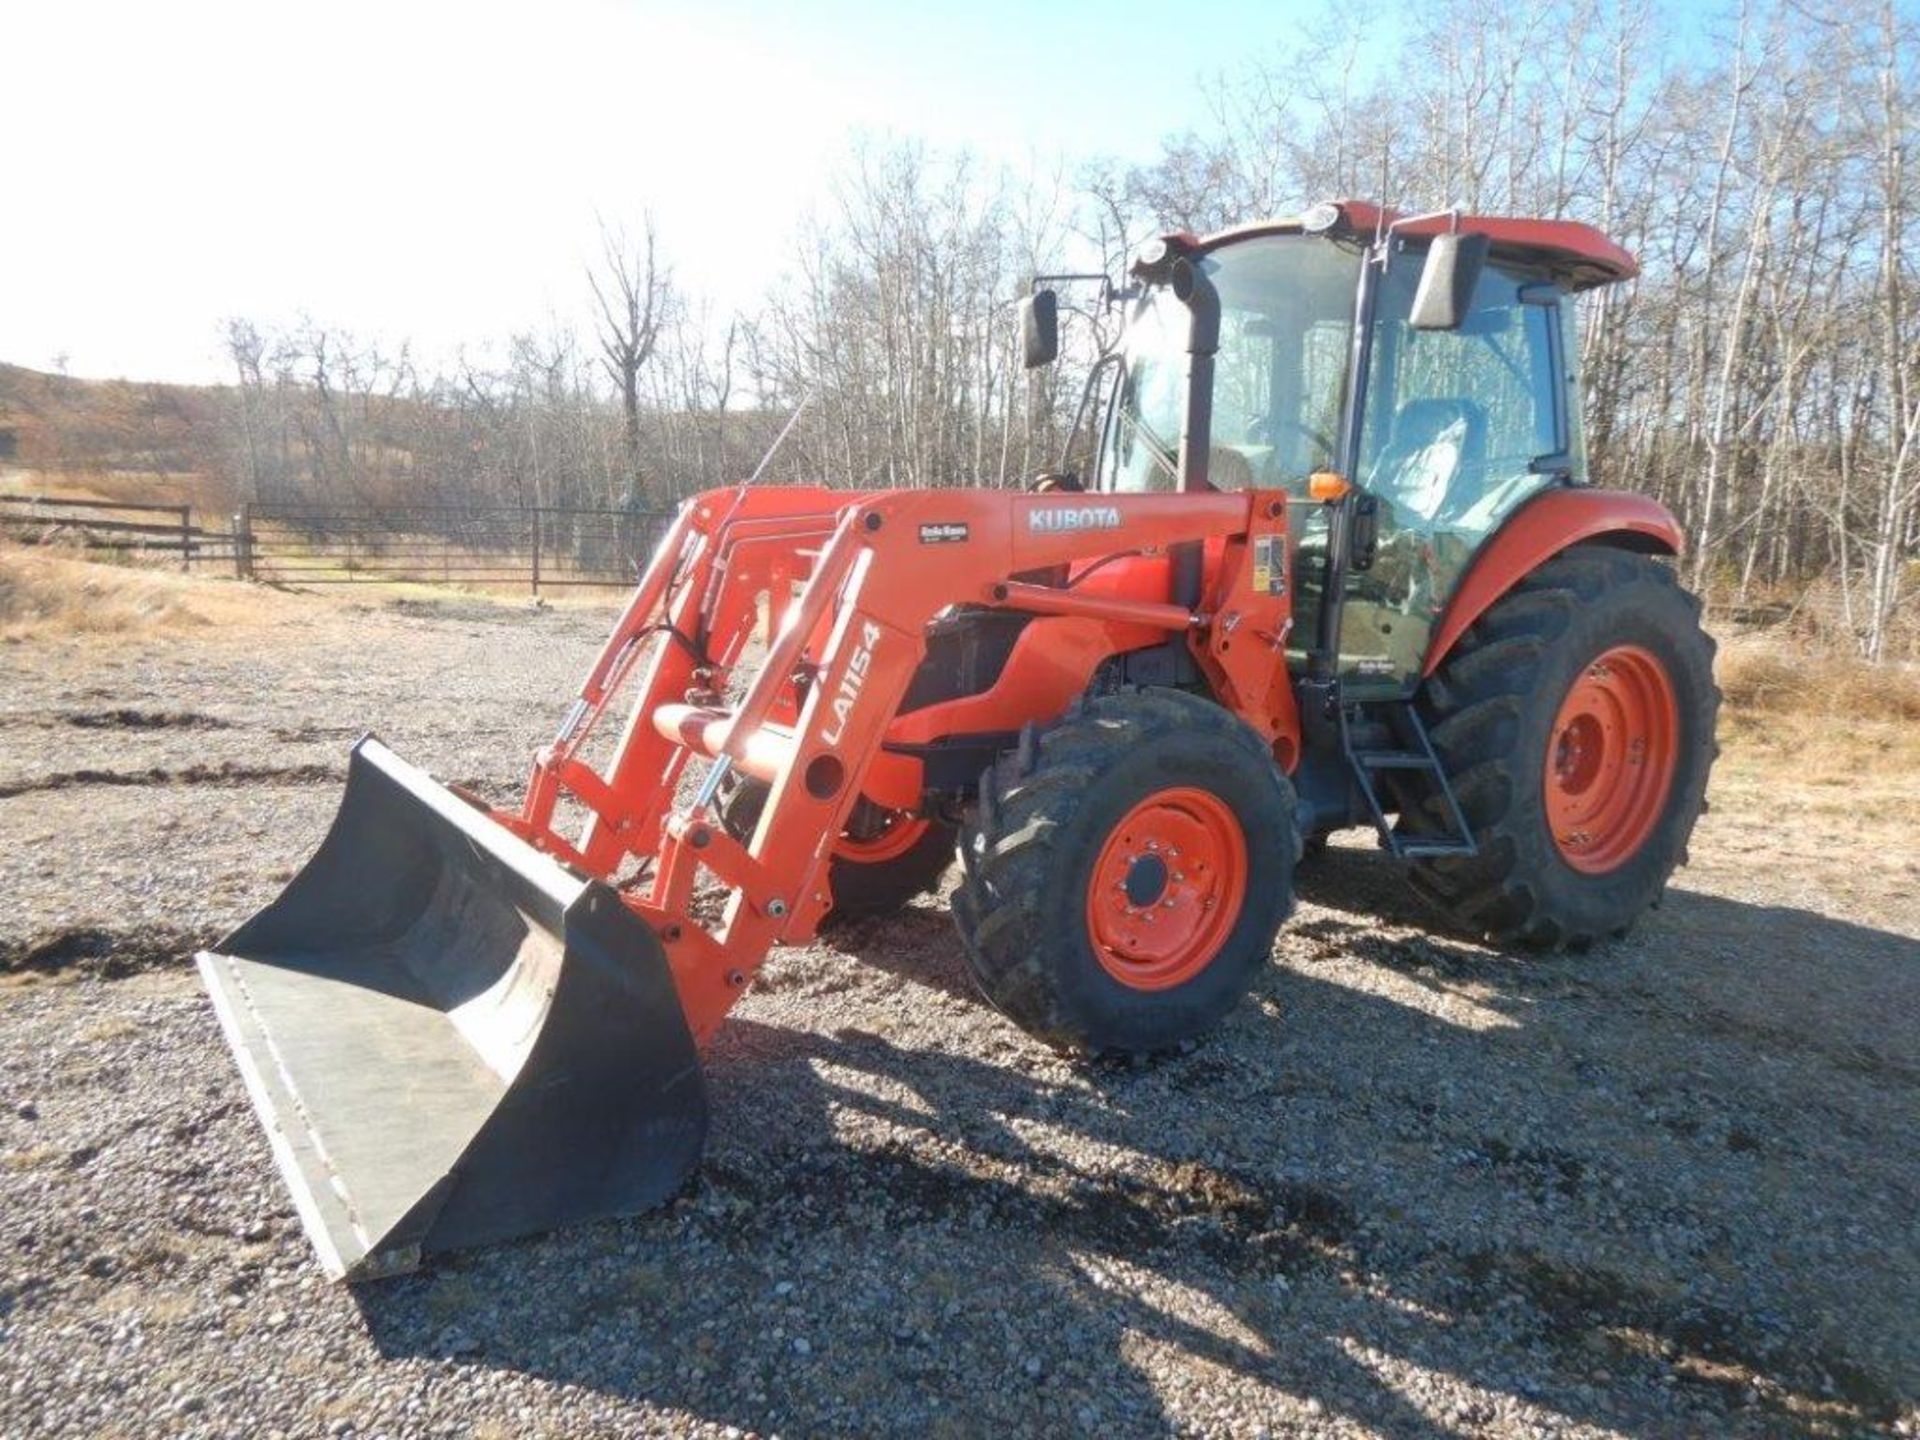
column 1262, row 430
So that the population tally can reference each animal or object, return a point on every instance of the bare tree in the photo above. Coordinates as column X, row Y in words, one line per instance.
column 1761, row 376
column 899, row 321
column 632, row 290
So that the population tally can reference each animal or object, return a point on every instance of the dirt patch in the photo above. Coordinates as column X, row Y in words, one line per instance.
column 104, row 954
column 117, row 719
column 124, row 719
column 226, row 773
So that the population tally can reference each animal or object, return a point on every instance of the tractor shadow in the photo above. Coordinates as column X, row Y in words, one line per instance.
column 1366, row 881
column 918, row 945
column 1548, row 1179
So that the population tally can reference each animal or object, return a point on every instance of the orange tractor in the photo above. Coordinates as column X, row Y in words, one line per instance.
column 1335, row 563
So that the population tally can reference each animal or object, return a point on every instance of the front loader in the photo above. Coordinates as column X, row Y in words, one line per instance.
column 1334, row 564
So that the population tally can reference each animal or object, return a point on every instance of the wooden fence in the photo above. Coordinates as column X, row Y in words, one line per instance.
column 535, row 547
column 125, row 527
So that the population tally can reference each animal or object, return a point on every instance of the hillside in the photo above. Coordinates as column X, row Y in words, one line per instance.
column 311, row 434
column 113, row 438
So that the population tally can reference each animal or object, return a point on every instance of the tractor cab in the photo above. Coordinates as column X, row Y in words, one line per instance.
column 1411, row 382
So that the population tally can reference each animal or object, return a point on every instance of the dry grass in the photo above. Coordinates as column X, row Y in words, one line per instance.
column 127, row 487
column 31, row 1158
column 46, row 594
column 152, row 1306
column 1843, row 732
column 1759, row 675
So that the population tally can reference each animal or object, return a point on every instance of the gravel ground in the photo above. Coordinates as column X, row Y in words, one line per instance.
column 1414, row 1186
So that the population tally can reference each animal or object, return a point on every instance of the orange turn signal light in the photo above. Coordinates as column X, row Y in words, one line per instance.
column 1326, row 485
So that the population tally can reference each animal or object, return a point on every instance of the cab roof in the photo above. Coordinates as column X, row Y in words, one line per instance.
column 1579, row 256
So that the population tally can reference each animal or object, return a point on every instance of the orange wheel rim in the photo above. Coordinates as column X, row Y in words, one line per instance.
column 1167, row 888
column 1610, row 759
column 893, row 839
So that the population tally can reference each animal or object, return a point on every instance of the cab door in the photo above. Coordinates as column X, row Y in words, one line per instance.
column 1460, row 427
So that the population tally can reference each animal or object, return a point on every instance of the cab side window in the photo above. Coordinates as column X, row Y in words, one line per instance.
column 1456, row 418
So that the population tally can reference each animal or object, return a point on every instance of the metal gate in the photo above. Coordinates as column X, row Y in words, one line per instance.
column 482, row 546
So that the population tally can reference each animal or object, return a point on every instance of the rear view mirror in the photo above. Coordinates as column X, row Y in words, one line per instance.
column 1445, row 295
column 1040, row 328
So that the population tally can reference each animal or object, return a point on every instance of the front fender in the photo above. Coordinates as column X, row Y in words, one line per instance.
column 1541, row 529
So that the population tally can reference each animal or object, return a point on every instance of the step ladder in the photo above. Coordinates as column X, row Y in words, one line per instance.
column 1412, row 756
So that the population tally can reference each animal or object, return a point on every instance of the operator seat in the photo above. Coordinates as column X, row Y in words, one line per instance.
column 1432, row 443
column 1228, row 469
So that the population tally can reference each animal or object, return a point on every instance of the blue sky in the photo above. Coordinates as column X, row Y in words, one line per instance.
column 433, row 169
column 1007, row 76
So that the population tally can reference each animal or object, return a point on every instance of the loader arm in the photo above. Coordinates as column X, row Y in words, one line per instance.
column 810, row 719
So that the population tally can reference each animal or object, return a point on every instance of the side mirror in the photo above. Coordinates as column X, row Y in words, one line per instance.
column 1040, row 328
column 1193, row 289
column 1445, row 294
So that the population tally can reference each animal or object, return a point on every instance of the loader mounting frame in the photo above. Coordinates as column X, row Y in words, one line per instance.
column 814, row 717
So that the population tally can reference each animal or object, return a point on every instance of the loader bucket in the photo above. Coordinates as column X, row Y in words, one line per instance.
column 450, row 1038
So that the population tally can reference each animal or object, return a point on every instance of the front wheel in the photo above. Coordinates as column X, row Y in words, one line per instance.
column 1575, row 722
column 1126, row 871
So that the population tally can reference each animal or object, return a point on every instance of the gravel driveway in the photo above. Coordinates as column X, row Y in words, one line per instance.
column 1414, row 1187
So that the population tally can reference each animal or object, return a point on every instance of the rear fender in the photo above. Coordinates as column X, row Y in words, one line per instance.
column 1539, row 530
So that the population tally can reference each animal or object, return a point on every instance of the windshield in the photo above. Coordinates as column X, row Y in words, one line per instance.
column 1286, row 319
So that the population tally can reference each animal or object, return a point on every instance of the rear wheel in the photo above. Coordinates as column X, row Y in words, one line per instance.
column 882, row 860
column 1575, row 721
column 1126, row 872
